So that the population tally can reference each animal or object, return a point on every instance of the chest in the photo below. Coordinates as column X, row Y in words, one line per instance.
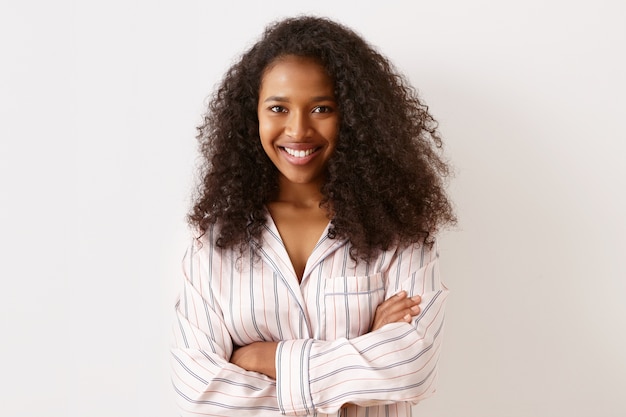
column 336, row 299
column 299, row 230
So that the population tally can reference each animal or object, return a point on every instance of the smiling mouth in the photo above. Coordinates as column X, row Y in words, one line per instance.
column 300, row 153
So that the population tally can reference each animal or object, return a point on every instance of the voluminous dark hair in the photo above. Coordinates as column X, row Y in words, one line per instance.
column 385, row 180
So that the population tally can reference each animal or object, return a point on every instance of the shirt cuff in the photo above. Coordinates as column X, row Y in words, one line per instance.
column 292, row 377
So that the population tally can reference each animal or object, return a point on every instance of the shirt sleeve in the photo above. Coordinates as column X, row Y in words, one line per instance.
column 395, row 363
column 205, row 382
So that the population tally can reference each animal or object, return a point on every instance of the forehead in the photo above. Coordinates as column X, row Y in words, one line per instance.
column 293, row 72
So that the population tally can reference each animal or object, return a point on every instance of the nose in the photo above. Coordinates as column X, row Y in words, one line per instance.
column 298, row 126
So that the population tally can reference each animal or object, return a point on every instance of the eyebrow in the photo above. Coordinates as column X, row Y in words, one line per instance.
column 286, row 100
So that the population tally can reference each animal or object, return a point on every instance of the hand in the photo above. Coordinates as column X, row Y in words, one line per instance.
column 258, row 357
column 396, row 309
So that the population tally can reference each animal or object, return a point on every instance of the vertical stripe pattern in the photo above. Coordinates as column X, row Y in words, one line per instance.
column 326, row 357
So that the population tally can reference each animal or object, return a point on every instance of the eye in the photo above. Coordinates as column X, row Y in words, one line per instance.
column 278, row 109
column 322, row 109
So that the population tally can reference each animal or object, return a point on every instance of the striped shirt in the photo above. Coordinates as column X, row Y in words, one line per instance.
column 326, row 356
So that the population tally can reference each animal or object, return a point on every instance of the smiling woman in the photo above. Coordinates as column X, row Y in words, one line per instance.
column 311, row 285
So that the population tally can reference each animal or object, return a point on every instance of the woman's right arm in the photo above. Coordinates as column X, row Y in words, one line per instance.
column 204, row 380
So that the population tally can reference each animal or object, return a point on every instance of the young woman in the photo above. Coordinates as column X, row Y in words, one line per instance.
column 311, row 286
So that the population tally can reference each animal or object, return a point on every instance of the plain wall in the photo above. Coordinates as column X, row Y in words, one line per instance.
column 98, row 107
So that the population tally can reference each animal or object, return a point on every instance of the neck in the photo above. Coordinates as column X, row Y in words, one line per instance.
column 301, row 195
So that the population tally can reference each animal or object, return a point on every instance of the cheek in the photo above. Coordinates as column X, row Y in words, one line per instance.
column 331, row 132
column 267, row 129
column 266, row 137
column 263, row 131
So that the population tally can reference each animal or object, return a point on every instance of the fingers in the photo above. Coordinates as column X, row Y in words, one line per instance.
column 401, row 301
column 399, row 308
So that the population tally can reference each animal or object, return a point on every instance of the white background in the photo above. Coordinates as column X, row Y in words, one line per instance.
column 98, row 107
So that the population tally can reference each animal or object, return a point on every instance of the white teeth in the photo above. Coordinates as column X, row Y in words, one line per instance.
column 299, row 153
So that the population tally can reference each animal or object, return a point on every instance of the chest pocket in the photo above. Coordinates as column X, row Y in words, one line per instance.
column 350, row 304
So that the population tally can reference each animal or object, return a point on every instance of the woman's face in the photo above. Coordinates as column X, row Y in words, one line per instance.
column 298, row 118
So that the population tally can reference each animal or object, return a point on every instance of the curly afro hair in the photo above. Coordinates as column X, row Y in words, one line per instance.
column 385, row 180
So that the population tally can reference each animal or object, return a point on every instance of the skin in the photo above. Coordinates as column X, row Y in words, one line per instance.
column 298, row 114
